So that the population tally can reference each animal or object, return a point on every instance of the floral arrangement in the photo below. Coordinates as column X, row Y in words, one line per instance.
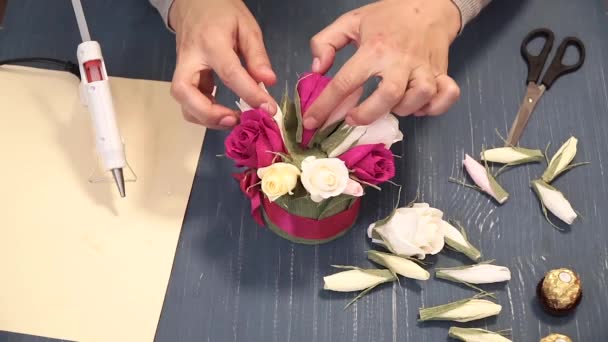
column 306, row 185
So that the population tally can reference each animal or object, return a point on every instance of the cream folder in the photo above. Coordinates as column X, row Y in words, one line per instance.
column 77, row 262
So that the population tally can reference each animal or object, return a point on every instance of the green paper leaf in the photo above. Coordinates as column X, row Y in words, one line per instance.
column 300, row 121
column 335, row 139
column 322, row 134
column 296, row 153
column 336, row 205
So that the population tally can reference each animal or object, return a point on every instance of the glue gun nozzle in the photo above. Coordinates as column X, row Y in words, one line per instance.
column 120, row 181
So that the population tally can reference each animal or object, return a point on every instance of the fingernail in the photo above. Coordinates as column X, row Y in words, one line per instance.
column 227, row 121
column 310, row 122
column 267, row 108
column 266, row 69
column 316, row 64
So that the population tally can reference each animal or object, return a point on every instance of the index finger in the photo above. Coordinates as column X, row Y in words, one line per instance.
column 228, row 67
column 348, row 79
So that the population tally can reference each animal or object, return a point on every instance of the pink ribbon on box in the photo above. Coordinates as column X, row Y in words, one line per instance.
column 311, row 229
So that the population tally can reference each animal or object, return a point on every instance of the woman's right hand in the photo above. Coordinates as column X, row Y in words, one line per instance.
column 210, row 37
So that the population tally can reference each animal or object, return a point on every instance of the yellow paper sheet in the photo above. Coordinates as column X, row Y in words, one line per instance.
column 78, row 262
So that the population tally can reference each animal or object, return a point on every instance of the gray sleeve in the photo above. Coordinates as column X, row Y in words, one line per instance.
column 163, row 6
column 469, row 9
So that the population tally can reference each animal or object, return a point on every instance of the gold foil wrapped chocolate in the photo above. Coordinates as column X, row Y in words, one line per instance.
column 556, row 338
column 560, row 291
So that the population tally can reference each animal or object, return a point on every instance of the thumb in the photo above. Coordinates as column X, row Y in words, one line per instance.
column 333, row 38
column 253, row 50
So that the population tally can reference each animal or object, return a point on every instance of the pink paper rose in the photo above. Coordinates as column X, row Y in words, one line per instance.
column 253, row 143
column 310, row 86
column 249, row 184
column 373, row 164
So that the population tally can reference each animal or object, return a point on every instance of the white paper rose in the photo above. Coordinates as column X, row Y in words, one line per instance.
column 415, row 231
column 385, row 131
column 324, row 178
column 278, row 179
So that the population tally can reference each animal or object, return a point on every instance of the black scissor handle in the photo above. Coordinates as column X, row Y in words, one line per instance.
column 536, row 63
column 557, row 68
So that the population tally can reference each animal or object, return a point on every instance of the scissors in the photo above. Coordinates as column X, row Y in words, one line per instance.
column 536, row 64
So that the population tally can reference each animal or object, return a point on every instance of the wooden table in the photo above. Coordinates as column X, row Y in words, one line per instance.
column 234, row 281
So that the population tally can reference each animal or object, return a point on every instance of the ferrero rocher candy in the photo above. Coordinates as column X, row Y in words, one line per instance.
column 556, row 338
column 560, row 291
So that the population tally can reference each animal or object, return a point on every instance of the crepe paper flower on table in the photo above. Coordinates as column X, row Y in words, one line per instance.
column 464, row 310
column 512, row 155
column 410, row 231
column 458, row 241
column 385, row 131
column 477, row 335
column 561, row 161
column 296, row 188
column 357, row 279
column 553, row 200
column 483, row 179
column 482, row 273
column 399, row 265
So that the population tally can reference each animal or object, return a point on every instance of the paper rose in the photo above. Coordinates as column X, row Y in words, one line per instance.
column 324, row 178
column 385, row 131
column 278, row 179
column 372, row 164
column 415, row 231
column 255, row 141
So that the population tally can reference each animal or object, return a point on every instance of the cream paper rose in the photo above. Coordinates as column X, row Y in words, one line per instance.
column 324, row 177
column 415, row 231
column 278, row 179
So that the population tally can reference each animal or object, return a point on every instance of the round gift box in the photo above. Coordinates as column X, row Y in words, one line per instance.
column 306, row 230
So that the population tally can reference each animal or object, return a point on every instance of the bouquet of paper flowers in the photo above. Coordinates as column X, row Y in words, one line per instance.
column 306, row 185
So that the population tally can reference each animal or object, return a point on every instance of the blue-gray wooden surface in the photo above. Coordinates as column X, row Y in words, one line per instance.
column 234, row 281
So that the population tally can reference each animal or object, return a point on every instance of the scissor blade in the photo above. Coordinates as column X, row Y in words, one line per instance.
column 533, row 94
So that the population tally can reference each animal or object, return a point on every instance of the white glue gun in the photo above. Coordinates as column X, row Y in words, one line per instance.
column 95, row 94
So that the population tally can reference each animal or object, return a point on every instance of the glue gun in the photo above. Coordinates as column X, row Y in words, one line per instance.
column 95, row 94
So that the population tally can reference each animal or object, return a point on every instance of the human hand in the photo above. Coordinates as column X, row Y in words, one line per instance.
column 210, row 36
column 405, row 43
